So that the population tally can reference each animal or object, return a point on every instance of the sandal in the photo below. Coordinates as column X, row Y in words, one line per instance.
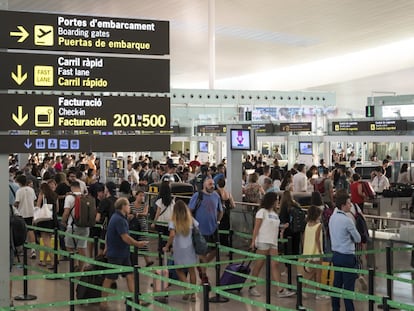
column 42, row 264
column 193, row 298
column 149, row 264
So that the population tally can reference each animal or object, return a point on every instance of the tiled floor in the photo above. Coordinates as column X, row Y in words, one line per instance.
column 58, row 290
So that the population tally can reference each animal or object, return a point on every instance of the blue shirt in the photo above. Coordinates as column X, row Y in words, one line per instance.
column 343, row 233
column 13, row 187
column 117, row 226
column 207, row 212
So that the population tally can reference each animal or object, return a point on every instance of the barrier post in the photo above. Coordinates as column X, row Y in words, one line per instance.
column 371, row 289
column 136, row 284
column 217, row 298
column 127, row 306
column 25, row 296
column 389, row 268
column 385, row 305
column 160, row 248
column 95, row 246
column 206, row 299
column 289, row 266
column 298, row 291
column 55, row 248
column 231, row 233
column 268, row 279
column 301, row 308
column 71, row 284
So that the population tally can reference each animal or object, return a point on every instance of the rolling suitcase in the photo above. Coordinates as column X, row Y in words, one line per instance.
column 229, row 278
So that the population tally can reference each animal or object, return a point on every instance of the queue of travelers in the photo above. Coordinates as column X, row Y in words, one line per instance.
column 334, row 193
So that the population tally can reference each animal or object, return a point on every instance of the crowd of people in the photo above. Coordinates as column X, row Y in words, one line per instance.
column 60, row 180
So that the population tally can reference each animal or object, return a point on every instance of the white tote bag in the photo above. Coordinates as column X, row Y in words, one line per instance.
column 43, row 213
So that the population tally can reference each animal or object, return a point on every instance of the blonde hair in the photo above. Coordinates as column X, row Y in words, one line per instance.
column 182, row 218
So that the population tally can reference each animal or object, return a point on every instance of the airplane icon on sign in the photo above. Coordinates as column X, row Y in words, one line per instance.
column 43, row 33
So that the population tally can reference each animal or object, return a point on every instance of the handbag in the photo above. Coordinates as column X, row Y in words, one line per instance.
column 43, row 213
column 199, row 242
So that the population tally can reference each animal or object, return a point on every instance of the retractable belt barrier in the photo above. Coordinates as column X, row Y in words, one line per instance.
column 188, row 288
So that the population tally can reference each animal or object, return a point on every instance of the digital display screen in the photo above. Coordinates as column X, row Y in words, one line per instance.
column 203, row 146
column 240, row 140
column 305, row 147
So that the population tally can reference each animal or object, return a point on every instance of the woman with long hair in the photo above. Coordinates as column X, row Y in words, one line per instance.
column 180, row 237
column 265, row 240
column 228, row 203
column 287, row 182
column 287, row 203
column 47, row 196
column 165, row 207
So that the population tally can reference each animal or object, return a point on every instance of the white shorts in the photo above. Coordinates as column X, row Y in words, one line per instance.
column 265, row 246
column 76, row 243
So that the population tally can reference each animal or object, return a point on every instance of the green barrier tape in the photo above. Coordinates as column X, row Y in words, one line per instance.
column 158, row 304
column 168, row 293
column 237, row 286
column 257, row 280
column 102, row 289
column 249, row 301
column 402, row 271
column 400, row 305
column 40, row 229
column 77, row 237
column 346, row 294
column 193, row 287
column 137, row 306
column 394, row 278
column 242, row 253
column 147, row 234
column 316, row 266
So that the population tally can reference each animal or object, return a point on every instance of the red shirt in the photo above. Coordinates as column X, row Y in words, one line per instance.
column 355, row 196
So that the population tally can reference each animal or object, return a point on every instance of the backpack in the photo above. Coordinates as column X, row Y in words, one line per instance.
column 84, row 211
column 18, row 229
column 368, row 190
column 361, row 226
column 297, row 219
column 320, row 186
column 198, row 203
column 148, row 177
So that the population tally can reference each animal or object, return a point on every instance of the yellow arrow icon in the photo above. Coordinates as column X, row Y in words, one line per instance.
column 19, row 78
column 23, row 34
column 20, row 119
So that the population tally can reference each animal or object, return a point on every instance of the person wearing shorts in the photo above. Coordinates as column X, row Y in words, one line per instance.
column 118, row 242
column 74, row 244
column 264, row 240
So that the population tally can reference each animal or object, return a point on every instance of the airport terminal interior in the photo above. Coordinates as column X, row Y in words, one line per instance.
column 258, row 115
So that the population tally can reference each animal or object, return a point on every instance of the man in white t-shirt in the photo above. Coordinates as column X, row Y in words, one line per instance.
column 300, row 181
column 380, row 181
column 25, row 203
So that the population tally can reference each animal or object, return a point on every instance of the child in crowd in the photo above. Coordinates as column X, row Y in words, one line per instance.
column 265, row 236
column 180, row 238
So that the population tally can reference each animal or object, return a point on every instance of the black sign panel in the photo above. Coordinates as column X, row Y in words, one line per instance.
column 56, row 32
column 296, row 127
column 369, row 126
column 29, row 112
column 212, row 129
column 83, row 143
column 83, row 73
column 266, row 128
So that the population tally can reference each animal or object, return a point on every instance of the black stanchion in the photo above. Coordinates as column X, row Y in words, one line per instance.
column 135, row 254
column 127, row 306
column 268, row 279
column 289, row 266
column 217, row 298
column 298, row 291
column 71, row 284
column 389, row 268
column 385, row 305
column 95, row 246
column 55, row 248
column 371, row 288
column 136, row 284
column 231, row 233
column 160, row 248
column 25, row 296
column 301, row 309
column 206, row 299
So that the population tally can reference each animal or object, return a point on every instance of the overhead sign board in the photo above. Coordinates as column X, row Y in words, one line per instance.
column 212, row 129
column 57, row 32
column 369, row 126
column 296, row 127
column 68, row 112
column 82, row 143
column 83, row 73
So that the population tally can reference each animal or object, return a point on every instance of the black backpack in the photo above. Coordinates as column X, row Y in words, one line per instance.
column 18, row 229
column 362, row 227
column 297, row 219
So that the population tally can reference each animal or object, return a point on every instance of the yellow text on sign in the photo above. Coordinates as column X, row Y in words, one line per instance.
column 44, row 116
column 43, row 75
column 43, row 35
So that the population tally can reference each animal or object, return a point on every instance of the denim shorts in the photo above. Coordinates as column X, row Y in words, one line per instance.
column 126, row 261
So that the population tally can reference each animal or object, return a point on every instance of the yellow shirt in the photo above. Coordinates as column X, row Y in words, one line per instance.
column 309, row 243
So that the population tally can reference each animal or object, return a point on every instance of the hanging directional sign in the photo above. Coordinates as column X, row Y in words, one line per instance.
column 28, row 112
column 83, row 73
column 82, row 143
column 57, row 32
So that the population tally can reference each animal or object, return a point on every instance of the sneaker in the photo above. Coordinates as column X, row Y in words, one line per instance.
column 322, row 297
column 363, row 283
column 285, row 293
column 253, row 292
column 186, row 297
column 33, row 254
column 163, row 300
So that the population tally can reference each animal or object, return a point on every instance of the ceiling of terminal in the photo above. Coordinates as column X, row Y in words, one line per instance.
column 338, row 45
